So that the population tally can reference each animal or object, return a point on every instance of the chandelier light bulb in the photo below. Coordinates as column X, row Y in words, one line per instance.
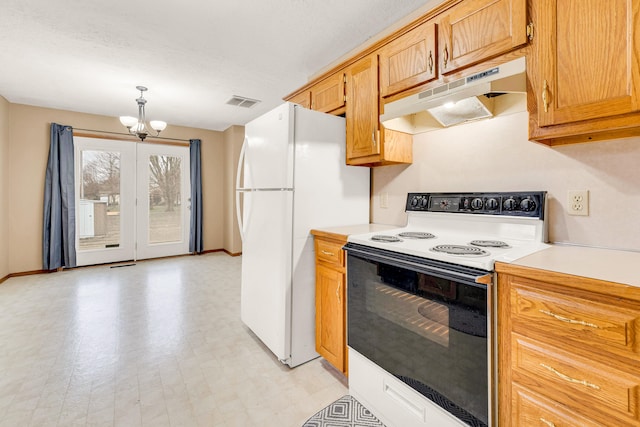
column 128, row 121
column 158, row 125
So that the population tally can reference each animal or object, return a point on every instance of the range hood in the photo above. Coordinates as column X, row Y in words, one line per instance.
column 470, row 98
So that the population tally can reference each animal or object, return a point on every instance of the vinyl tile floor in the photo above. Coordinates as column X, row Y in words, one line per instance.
column 158, row 343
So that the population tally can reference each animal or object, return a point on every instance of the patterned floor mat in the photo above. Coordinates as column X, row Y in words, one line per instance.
column 344, row 412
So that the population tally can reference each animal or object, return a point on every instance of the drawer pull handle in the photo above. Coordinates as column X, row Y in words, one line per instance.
column 547, row 422
column 567, row 320
column 328, row 253
column 446, row 56
column 568, row 378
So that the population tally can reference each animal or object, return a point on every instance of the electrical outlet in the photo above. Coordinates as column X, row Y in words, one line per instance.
column 578, row 202
column 384, row 200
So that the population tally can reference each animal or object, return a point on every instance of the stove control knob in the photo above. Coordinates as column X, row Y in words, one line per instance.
column 510, row 204
column 414, row 201
column 476, row 203
column 527, row 205
column 423, row 202
column 492, row 204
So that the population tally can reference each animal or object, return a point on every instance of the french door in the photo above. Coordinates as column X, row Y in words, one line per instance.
column 132, row 200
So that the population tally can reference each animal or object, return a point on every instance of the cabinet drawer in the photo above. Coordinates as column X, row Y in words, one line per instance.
column 563, row 317
column 578, row 382
column 532, row 410
column 330, row 252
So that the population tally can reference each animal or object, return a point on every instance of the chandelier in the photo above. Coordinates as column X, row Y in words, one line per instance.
column 139, row 127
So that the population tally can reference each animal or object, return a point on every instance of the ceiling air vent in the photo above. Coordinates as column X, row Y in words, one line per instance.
column 241, row 101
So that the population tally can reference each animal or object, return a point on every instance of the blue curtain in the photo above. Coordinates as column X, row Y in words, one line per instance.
column 195, row 234
column 59, row 230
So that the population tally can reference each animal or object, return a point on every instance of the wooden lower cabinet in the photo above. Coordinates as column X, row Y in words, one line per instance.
column 331, row 340
column 568, row 350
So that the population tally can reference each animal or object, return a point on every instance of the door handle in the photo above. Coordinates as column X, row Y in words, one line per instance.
column 238, row 175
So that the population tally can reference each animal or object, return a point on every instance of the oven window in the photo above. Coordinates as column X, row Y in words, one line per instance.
column 427, row 331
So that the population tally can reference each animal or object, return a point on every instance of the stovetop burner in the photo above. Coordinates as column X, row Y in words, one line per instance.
column 460, row 250
column 416, row 235
column 489, row 243
column 385, row 238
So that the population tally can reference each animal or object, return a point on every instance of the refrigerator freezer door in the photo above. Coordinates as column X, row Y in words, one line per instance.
column 265, row 305
column 269, row 149
column 328, row 192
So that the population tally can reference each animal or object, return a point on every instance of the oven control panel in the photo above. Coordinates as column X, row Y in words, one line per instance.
column 521, row 203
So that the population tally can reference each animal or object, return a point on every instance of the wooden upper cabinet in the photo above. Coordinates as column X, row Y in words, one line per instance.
column 587, row 59
column 475, row 30
column 409, row 60
column 362, row 114
column 328, row 94
column 303, row 99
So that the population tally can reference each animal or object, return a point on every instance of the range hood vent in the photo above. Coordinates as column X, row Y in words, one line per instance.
column 466, row 99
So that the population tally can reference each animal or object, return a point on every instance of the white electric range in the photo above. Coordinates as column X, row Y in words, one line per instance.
column 420, row 305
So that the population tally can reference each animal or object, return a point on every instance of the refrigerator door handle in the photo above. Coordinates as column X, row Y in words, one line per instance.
column 238, row 176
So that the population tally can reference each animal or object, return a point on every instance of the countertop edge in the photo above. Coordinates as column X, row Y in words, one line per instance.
column 592, row 263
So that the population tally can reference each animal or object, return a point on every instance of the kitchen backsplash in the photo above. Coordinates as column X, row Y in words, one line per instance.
column 495, row 155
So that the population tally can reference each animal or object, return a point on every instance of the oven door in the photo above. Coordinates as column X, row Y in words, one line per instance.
column 425, row 322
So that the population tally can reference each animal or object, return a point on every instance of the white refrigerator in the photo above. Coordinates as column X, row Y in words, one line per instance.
column 291, row 178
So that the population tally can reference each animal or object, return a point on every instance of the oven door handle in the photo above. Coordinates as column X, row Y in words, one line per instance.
column 478, row 278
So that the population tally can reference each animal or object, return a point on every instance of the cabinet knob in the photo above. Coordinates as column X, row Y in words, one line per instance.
column 430, row 62
column 545, row 96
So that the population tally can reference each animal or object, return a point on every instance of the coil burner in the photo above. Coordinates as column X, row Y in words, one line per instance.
column 385, row 238
column 489, row 243
column 460, row 250
column 416, row 235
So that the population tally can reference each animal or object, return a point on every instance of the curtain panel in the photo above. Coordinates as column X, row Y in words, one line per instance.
column 59, row 228
column 195, row 234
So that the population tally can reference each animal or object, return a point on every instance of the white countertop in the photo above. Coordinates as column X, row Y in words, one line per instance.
column 602, row 264
column 346, row 230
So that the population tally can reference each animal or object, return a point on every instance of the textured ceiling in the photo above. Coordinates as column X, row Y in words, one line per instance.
column 193, row 55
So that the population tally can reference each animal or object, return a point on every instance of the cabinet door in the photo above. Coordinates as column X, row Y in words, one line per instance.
column 328, row 95
column 587, row 56
column 303, row 99
column 362, row 109
column 409, row 60
column 330, row 315
column 475, row 30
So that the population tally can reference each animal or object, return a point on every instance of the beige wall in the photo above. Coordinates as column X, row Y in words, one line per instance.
column 495, row 155
column 233, row 139
column 29, row 148
column 4, row 187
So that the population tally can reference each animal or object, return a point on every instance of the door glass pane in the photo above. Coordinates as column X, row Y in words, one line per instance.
column 165, row 210
column 99, row 209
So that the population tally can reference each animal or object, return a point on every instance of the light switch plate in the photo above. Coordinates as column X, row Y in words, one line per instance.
column 384, row 200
